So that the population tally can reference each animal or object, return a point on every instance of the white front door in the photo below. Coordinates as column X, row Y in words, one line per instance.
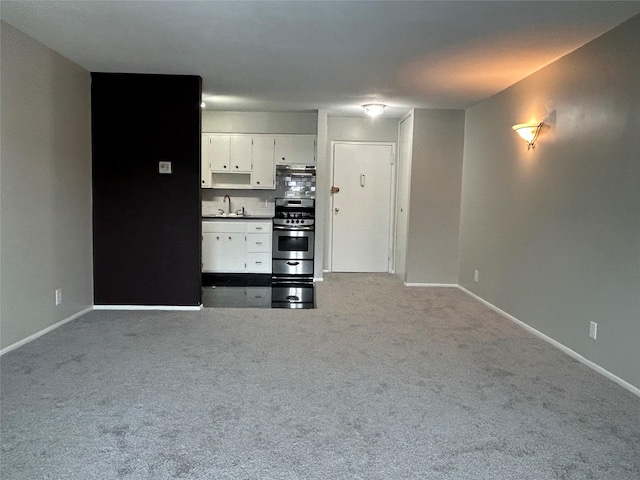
column 361, row 209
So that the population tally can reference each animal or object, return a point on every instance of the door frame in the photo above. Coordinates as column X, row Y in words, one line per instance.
column 398, row 193
column 392, row 200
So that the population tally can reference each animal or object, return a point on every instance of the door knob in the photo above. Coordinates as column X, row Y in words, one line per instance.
column 337, row 209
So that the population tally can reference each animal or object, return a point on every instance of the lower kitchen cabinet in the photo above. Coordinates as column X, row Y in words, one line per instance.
column 236, row 246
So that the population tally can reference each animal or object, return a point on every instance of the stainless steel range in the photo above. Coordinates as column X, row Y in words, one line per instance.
column 293, row 244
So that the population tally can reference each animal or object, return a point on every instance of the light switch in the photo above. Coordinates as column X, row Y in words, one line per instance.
column 165, row 167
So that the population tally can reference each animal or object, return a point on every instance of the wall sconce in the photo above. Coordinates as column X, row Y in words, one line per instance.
column 373, row 109
column 529, row 132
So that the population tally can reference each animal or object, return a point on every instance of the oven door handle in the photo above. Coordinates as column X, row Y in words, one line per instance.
column 292, row 229
column 293, row 264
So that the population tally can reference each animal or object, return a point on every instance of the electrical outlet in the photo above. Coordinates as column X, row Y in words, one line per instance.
column 593, row 330
column 476, row 276
column 58, row 296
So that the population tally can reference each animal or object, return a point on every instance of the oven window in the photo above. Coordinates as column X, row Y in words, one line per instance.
column 293, row 244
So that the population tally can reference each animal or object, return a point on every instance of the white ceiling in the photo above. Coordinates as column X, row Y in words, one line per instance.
column 308, row 55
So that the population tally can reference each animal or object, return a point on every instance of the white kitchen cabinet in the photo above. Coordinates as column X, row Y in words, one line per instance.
column 205, row 167
column 263, row 169
column 295, row 149
column 223, row 246
column 230, row 153
column 219, row 151
column 259, row 247
column 244, row 161
column 240, row 153
column 230, row 160
column 236, row 246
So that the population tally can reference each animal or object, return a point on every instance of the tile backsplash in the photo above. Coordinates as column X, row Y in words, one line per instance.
column 254, row 202
column 292, row 184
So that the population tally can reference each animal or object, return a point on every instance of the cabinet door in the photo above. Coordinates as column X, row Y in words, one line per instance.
column 219, row 149
column 263, row 167
column 240, row 153
column 295, row 150
column 208, row 251
column 206, row 163
column 223, row 252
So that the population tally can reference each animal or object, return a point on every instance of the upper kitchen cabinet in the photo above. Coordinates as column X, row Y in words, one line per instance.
column 238, row 161
column 248, row 161
column 263, row 167
column 205, row 166
column 226, row 161
column 230, row 153
column 295, row 149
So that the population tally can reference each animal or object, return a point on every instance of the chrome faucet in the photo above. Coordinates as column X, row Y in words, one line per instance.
column 227, row 197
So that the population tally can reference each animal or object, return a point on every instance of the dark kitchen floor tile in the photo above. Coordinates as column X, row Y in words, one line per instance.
column 236, row 297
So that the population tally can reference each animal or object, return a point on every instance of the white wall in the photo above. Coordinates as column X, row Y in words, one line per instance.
column 45, row 213
column 555, row 231
column 362, row 129
column 259, row 122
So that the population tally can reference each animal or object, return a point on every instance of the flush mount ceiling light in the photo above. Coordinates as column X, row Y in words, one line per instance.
column 529, row 132
column 373, row 109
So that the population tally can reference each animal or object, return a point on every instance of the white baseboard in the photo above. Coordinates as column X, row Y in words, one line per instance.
column 149, row 307
column 30, row 338
column 633, row 389
column 453, row 285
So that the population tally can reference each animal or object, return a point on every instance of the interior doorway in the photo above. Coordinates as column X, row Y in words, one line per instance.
column 361, row 207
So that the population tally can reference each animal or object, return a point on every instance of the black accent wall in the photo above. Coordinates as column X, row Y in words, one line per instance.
column 146, row 225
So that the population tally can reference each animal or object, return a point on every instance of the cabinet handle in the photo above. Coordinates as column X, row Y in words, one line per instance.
column 224, row 166
column 237, row 166
column 258, row 228
column 258, row 243
column 217, row 238
column 258, row 182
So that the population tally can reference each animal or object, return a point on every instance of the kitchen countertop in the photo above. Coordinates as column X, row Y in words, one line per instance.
column 237, row 217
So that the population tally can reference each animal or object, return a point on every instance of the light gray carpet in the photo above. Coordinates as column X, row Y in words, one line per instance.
column 379, row 382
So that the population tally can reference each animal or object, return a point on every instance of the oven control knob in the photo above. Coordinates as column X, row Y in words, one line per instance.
column 301, row 221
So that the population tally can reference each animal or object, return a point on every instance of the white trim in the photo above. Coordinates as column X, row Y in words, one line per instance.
column 453, row 285
column 633, row 389
column 149, row 307
column 43, row 331
column 398, row 192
